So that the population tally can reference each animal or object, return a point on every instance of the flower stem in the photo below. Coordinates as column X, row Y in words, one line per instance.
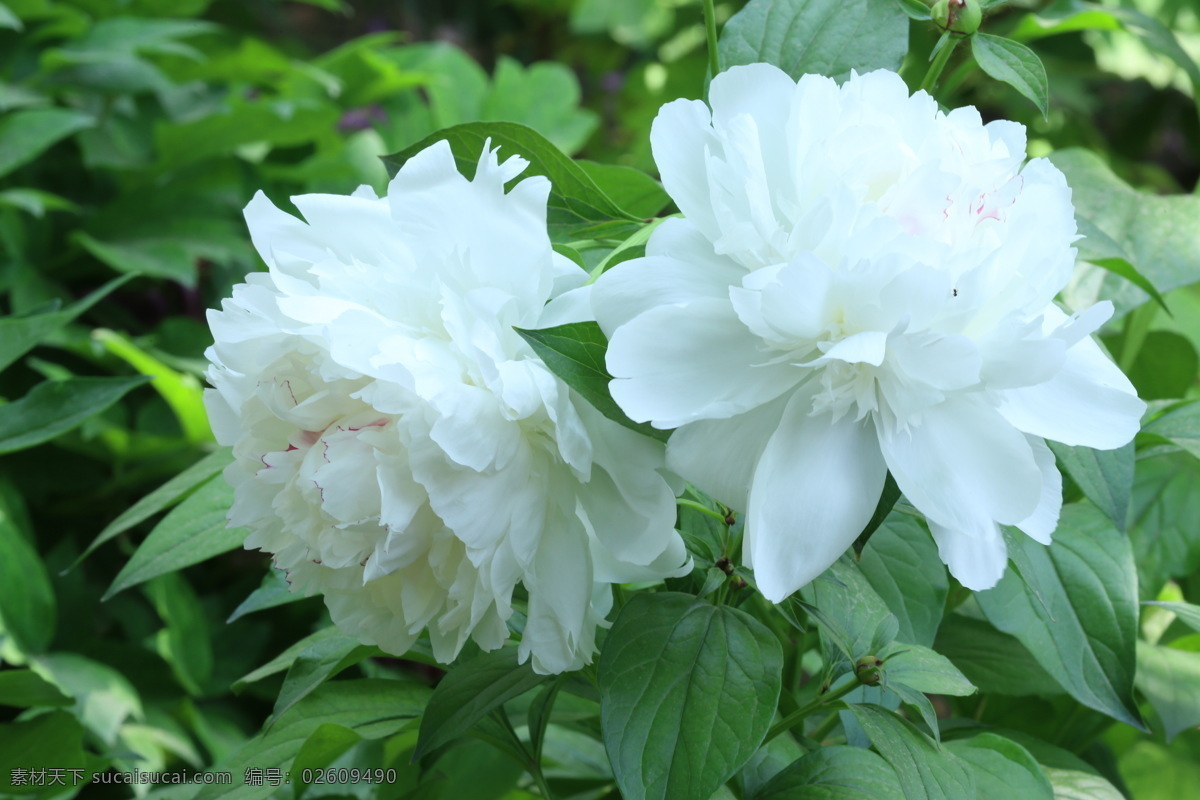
column 540, row 779
column 797, row 716
column 942, row 52
column 710, row 27
column 821, row 731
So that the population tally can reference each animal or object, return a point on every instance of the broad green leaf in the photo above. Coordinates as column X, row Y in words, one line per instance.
column 104, row 698
column 27, row 604
column 469, row 692
column 35, row 201
column 1073, row 784
column 902, row 565
column 24, row 688
column 577, row 207
column 1155, row 230
column 182, row 392
column 1015, row 64
column 1062, row 18
column 1170, row 680
column 575, row 352
column 1152, row 771
column 827, row 37
column 184, row 643
column 1002, row 769
column 273, row 592
column 914, row 9
column 834, row 773
column 1098, row 248
column 633, row 23
column 193, row 531
column 313, row 666
column 925, row 772
column 24, row 135
column 518, row 94
column 9, row 20
column 687, row 693
column 284, row 660
column 371, row 708
column 19, row 335
column 1162, row 521
column 631, row 189
column 53, row 740
column 852, row 616
column 993, row 661
column 1159, row 38
column 1085, row 632
column 1179, row 424
column 54, row 407
column 163, row 497
column 926, row 671
column 319, row 750
column 1165, row 367
column 1187, row 613
column 1105, row 476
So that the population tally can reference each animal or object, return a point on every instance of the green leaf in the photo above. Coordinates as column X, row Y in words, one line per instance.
column 1105, row 476
column 1156, row 231
column 1014, row 64
column 49, row 741
column 1170, row 680
column 902, row 565
column 631, row 189
column 36, row 202
column 319, row 750
column 914, row 9
column 518, row 94
column 104, row 698
column 1187, row 613
column 182, row 392
column 1085, row 633
column 1073, row 784
column 19, row 335
column 687, row 692
column 273, row 592
column 470, row 692
column 27, row 604
column 162, row 498
column 24, row 135
column 285, row 659
column 926, row 671
column 1159, row 38
column 1154, row 772
column 1162, row 521
column 24, row 688
column 54, row 407
column 1165, row 367
column 851, row 615
column 827, row 37
column 1079, row 17
column 993, row 661
column 577, row 209
column 924, row 771
column 185, row 642
column 1179, row 424
column 1002, row 769
column 313, row 666
column 194, row 531
column 371, row 708
column 10, row 20
column 834, row 773
column 575, row 352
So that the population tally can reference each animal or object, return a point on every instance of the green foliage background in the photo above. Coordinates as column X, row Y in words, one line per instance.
column 137, row 635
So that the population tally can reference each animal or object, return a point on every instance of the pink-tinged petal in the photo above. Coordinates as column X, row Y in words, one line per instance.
column 964, row 466
column 816, row 487
column 1089, row 402
column 676, row 364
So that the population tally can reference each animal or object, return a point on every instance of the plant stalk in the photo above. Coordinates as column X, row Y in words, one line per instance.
column 797, row 716
column 939, row 62
column 710, row 28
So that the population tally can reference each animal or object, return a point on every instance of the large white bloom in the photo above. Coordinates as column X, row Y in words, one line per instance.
column 400, row 448
column 860, row 283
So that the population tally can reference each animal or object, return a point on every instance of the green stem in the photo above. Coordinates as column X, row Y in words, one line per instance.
column 821, row 731
column 710, row 27
column 540, row 779
column 944, row 51
column 703, row 509
column 797, row 716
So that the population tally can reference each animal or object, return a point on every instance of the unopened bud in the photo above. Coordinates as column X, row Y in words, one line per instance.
column 957, row 16
column 868, row 671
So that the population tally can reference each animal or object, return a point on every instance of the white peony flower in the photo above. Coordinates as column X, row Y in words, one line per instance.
column 859, row 283
column 401, row 449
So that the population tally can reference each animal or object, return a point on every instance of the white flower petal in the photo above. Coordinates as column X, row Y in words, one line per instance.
column 977, row 559
column 1041, row 523
column 816, row 487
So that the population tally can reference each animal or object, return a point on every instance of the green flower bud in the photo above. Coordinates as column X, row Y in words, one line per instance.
column 957, row 16
column 868, row 670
